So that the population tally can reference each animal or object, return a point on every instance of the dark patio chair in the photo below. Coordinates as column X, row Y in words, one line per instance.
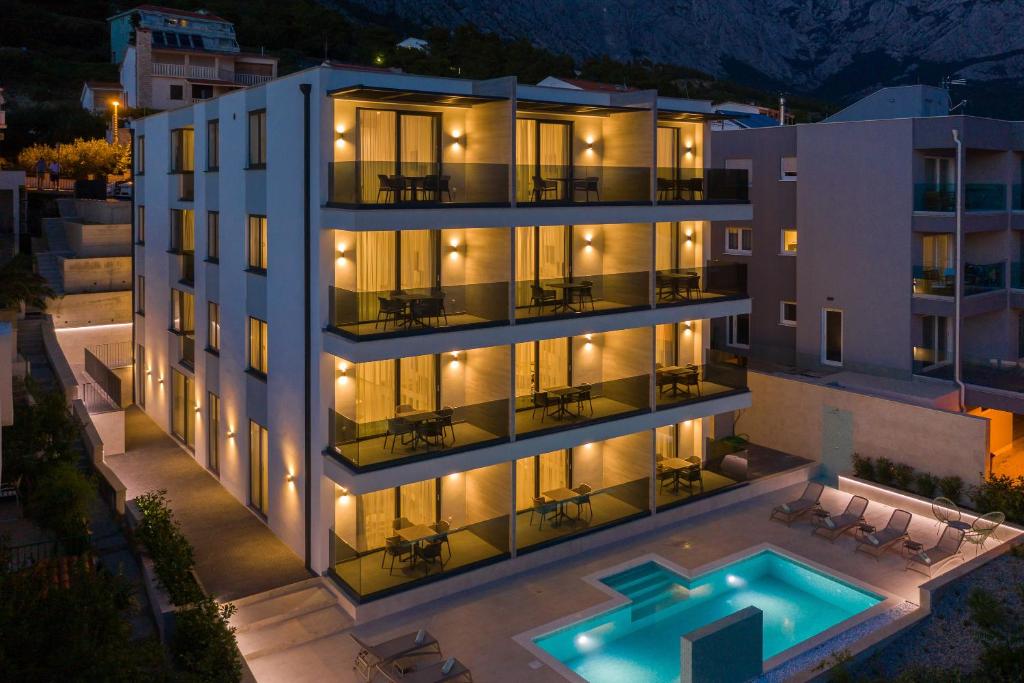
column 665, row 476
column 542, row 188
column 586, row 185
column 691, row 476
column 397, row 430
column 583, row 499
column 442, row 527
column 543, row 507
column 691, row 379
column 431, row 432
column 384, row 187
column 424, row 310
column 447, row 420
column 585, row 395
column 543, row 401
column 585, row 293
column 430, row 553
column 666, row 188
column 693, row 187
column 438, row 185
column 540, row 297
column 438, row 294
column 389, row 310
column 664, row 287
column 397, row 549
column 399, row 187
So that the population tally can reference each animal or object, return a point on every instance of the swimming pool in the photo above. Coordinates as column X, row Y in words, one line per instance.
column 640, row 640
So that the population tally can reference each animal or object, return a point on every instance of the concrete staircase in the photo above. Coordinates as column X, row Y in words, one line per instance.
column 287, row 617
column 56, row 236
column 66, row 208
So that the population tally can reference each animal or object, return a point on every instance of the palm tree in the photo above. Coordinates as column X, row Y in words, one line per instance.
column 20, row 283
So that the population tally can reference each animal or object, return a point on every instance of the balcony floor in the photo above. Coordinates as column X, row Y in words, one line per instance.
column 666, row 494
column 705, row 297
column 549, row 312
column 708, row 390
column 366, row 577
column 526, row 422
column 370, row 452
column 371, row 329
column 607, row 510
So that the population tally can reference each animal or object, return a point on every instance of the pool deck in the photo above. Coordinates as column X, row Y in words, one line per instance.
column 478, row 626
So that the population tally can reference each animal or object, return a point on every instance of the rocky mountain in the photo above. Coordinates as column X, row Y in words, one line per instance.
column 831, row 48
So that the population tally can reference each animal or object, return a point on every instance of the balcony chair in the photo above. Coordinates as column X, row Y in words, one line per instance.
column 447, row 420
column 542, row 188
column 664, row 287
column 585, row 395
column 397, row 430
column 431, row 432
column 384, row 187
column 438, row 185
column 397, row 549
column 540, row 297
column 430, row 552
column 543, row 401
column 442, row 527
column 585, row 293
column 424, row 310
column 665, row 476
column 693, row 187
column 399, row 187
column 691, row 476
column 543, row 507
column 666, row 188
column 438, row 293
column 389, row 310
column 586, row 185
column 691, row 379
column 583, row 499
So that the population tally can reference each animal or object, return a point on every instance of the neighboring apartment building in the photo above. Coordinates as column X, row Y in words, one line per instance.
column 170, row 58
column 852, row 250
column 380, row 306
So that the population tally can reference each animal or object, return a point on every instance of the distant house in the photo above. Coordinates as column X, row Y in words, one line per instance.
column 582, row 84
column 169, row 58
column 415, row 44
column 97, row 95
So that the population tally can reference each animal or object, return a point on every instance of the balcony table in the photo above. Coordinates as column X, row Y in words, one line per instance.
column 416, row 533
column 677, row 466
column 677, row 373
column 567, row 293
column 691, row 279
column 409, row 298
column 561, row 496
column 564, row 394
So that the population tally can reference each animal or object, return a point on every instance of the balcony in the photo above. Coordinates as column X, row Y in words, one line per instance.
column 566, row 185
column 186, row 186
column 393, row 411
column 679, row 384
column 431, row 530
column 984, row 278
column 941, row 197
column 684, row 286
column 702, row 186
column 208, row 73
column 996, row 373
column 933, row 281
column 387, row 185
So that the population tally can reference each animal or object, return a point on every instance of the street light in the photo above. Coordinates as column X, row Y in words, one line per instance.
column 113, row 122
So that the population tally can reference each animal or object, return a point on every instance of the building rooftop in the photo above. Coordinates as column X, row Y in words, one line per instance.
column 199, row 14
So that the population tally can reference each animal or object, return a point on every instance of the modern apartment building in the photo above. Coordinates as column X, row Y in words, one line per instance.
column 387, row 310
column 169, row 58
column 870, row 196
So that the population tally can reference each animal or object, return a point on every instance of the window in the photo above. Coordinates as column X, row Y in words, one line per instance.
column 177, row 92
column 258, row 243
column 258, row 138
column 739, row 330
column 212, row 145
column 935, row 340
column 787, row 313
column 140, row 225
column 182, row 150
column 213, row 236
column 258, row 345
column 788, row 247
column 140, row 155
column 140, row 294
column 742, row 165
column 141, row 376
column 831, row 336
column 258, row 478
column 739, row 241
column 213, row 326
column 202, row 92
column 213, row 431
column 183, row 408
column 788, row 170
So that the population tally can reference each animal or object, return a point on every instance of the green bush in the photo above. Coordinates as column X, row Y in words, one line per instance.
column 1001, row 493
column 204, row 643
column 863, row 467
column 884, row 471
column 902, row 475
column 926, row 484
column 952, row 488
column 59, row 500
column 173, row 558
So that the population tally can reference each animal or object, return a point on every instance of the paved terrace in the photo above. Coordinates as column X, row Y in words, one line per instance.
column 236, row 554
column 478, row 626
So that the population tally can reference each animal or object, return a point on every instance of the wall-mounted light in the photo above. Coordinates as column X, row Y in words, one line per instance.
column 197, row 409
column 341, row 252
column 343, row 496
column 339, row 135
column 588, row 240
column 688, row 326
column 689, row 148
column 455, row 357
column 160, row 380
column 458, row 138
column 342, row 373
column 689, row 236
column 454, row 476
column 454, row 248
column 230, row 434
column 149, row 373
column 290, row 478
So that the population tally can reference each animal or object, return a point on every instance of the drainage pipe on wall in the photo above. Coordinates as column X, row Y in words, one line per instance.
column 958, row 292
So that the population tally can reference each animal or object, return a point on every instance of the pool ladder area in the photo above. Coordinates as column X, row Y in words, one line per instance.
column 650, row 587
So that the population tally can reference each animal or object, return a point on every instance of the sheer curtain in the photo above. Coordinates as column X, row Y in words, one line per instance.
column 668, row 148
column 375, row 391
column 526, row 158
column 524, row 253
column 374, row 519
column 417, row 259
column 419, row 144
column 665, row 442
column 553, row 470
column 525, row 486
column 377, row 148
column 524, row 368
column 375, row 269
column 665, row 344
column 552, row 251
column 663, row 245
column 554, row 149
column 417, row 379
column 553, row 362
column 418, row 502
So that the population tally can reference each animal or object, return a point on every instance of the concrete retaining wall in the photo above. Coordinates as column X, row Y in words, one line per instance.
column 104, row 211
column 104, row 274
column 91, row 241
column 96, row 308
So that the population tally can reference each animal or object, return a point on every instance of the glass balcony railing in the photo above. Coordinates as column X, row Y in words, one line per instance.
column 941, row 197
column 554, row 521
column 934, row 281
column 393, row 314
column 676, row 286
column 702, row 185
column 552, row 298
column 380, row 184
column 402, row 564
column 555, row 184
column 415, row 435
column 557, row 408
column 980, row 278
column 723, row 374
column 1006, row 375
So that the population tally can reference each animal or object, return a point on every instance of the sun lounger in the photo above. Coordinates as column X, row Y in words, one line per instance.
column 371, row 657
column 794, row 509
column 877, row 542
column 947, row 549
column 832, row 527
column 434, row 672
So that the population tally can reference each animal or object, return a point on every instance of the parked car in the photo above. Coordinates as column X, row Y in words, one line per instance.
column 120, row 190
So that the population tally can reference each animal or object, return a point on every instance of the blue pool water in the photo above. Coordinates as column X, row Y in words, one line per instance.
column 639, row 641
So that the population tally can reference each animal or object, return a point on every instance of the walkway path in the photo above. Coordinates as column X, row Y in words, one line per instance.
column 236, row 554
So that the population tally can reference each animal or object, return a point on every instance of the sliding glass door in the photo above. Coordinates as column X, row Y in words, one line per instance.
column 394, row 143
column 183, row 412
column 543, row 156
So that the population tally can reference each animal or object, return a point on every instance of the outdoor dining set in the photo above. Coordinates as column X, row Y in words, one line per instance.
column 398, row 188
column 412, row 428
column 678, row 284
column 404, row 308
column 413, row 544
column 680, row 189
column 677, row 379
column 674, row 472
column 565, row 188
column 552, row 505
column 563, row 295
column 557, row 401
column 895, row 535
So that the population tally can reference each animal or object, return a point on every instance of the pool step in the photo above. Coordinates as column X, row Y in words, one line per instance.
column 623, row 579
column 667, row 598
column 652, row 590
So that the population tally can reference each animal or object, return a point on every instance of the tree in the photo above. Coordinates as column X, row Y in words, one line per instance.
column 44, row 433
column 79, row 159
column 19, row 283
column 59, row 500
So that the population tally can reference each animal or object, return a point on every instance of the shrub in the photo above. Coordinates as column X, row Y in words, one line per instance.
column 863, row 467
column 79, row 159
column 903, row 474
column 59, row 500
column 1002, row 493
column 204, row 647
column 172, row 554
column 884, row 471
column 926, row 484
column 951, row 487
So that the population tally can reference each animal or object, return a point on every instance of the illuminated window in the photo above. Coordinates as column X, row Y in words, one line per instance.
column 788, row 241
column 140, row 225
column 258, row 243
column 258, row 138
column 258, row 345
column 213, row 329
column 739, row 330
column 258, row 478
column 212, row 145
